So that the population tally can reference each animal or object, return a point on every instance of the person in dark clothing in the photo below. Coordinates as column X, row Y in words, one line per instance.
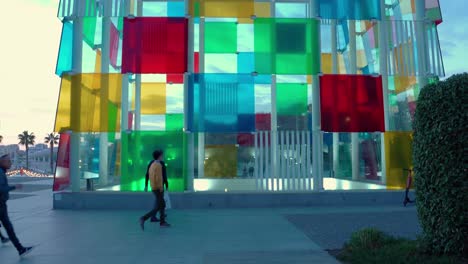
column 5, row 164
column 166, row 184
column 156, row 181
column 3, row 238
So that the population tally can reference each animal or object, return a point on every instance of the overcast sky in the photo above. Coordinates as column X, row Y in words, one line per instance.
column 30, row 34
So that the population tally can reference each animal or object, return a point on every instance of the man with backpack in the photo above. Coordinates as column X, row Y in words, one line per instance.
column 165, row 182
column 156, row 181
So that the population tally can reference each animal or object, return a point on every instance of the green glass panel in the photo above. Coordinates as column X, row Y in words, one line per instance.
column 113, row 115
column 174, row 122
column 89, row 30
column 120, row 25
column 138, row 155
column 220, row 37
column 275, row 53
column 291, row 98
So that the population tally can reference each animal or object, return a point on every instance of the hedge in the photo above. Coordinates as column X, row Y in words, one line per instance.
column 440, row 164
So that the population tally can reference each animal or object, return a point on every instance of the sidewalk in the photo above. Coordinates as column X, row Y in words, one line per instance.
column 297, row 235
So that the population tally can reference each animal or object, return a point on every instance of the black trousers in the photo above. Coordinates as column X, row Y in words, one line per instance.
column 8, row 226
column 159, row 206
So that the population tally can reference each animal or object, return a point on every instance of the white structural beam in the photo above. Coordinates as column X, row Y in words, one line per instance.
column 383, row 65
column 317, row 138
column 336, row 136
column 201, row 135
column 104, row 93
column 138, row 81
column 421, row 42
column 274, row 120
column 76, row 93
column 353, row 70
column 187, row 76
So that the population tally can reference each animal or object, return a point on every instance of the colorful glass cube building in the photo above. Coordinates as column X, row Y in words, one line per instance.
column 248, row 95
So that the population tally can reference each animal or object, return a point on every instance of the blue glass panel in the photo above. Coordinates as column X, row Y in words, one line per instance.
column 222, row 103
column 245, row 62
column 350, row 10
column 343, row 35
column 64, row 60
column 175, row 9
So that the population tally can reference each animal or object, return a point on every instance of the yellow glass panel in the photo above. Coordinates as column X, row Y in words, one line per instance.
column 398, row 156
column 153, row 99
column 400, row 53
column 341, row 64
column 262, row 9
column 222, row 8
column 220, row 161
column 84, row 103
column 97, row 67
column 404, row 83
column 327, row 63
column 361, row 59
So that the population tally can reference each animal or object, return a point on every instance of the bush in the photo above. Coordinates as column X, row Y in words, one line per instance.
column 373, row 246
column 439, row 150
column 368, row 238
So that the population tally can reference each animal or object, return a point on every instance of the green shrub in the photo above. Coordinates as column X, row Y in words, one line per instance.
column 439, row 156
column 368, row 238
column 373, row 246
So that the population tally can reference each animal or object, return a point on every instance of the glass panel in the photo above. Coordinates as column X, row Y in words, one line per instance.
column 402, row 102
column 398, row 156
column 90, row 112
column 174, row 122
column 222, row 103
column 220, row 161
column 350, row 10
column 137, row 149
column 64, row 60
column 351, row 103
column 89, row 30
column 155, row 45
column 153, row 99
column 275, row 53
column 62, row 172
column 220, row 37
column 291, row 98
column 222, row 8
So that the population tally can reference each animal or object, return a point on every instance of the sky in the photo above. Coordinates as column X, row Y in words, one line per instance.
column 30, row 33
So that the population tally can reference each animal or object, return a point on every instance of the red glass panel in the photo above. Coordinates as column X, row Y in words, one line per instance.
column 154, row 45
column 245, row 140
column 351, row 103
column 175, row 78
column 263, row 122
column 62, row 172
column 196, row 62
column 114, row 45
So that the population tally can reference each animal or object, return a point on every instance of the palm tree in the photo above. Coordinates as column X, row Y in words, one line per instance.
column 51, row 139
column 26, row 140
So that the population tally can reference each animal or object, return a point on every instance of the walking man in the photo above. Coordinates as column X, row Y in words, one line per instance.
column 166, row 184
column 5, row 164
column 156, row 181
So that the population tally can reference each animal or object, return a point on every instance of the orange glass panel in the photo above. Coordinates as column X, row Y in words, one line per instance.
column 262, row 9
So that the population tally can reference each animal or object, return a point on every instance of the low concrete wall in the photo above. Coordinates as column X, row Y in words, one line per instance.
column 205, row 200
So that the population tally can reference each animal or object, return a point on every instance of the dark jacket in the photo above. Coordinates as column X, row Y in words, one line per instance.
column 4, row 187
column 164, row 174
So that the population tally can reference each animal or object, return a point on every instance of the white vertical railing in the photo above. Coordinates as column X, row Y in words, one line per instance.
column 293, row 165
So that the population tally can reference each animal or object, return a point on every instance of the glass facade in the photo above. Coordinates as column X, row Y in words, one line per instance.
column 228, row 89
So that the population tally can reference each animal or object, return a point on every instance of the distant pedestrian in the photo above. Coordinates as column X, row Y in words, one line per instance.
column 166, row 184
column 156, row 179
column 5, row 164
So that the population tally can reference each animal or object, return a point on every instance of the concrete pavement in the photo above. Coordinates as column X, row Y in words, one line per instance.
column 282, row 235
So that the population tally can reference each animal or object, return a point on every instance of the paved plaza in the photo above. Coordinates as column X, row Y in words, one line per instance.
column 287, row 235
